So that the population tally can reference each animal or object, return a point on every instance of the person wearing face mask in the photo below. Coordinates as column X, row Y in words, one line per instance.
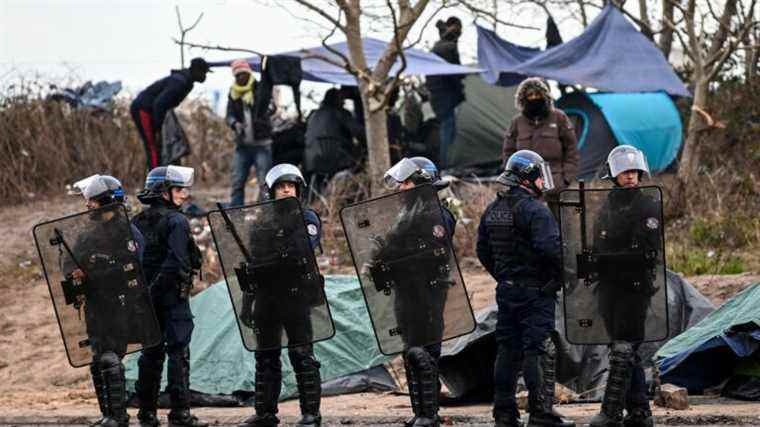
column 170, row 260
column 150, row 107
column 542, row 128
column 446, row 92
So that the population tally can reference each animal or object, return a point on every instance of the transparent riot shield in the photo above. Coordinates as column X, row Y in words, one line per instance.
column 272, row 275
column 614, row 265
column 96, row 283
column 408, row 271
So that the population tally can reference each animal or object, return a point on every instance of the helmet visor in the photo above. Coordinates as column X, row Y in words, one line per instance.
column 546, row 174
column 90, row 187
column 180, row 176
column 399, row 173
column 280, row 171
column 623, row 159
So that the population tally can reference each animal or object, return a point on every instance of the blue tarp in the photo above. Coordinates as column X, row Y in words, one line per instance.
column 648, row 121
column 219, row 364
column 611, row 55
column 418, row 62
column 706, row 354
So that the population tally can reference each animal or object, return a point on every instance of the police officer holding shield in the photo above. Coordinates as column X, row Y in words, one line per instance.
column 518, row 244
column 108, row 340
column 628, row 221
column 420, row 362
column 274, row 309
column 170, row 261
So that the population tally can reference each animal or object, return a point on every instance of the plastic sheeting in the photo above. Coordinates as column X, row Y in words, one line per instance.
column 418, row 62
column 706, row 354
column 611, row 55
column 219, row 364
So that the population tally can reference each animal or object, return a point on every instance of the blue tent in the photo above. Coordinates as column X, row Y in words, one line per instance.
column 648, row 121
column 611, row 55
column 418, row 62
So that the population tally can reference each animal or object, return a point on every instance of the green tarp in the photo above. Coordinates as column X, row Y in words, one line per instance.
column 219, row 364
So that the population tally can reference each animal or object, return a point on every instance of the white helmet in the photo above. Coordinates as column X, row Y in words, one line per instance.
column 624, row 158
column 104, row 188
column 285, row 172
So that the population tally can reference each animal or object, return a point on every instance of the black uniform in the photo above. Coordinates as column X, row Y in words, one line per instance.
column 271, row 317
column 110, row 320
column 170, row 259
column 519, row 245
column 627, row 228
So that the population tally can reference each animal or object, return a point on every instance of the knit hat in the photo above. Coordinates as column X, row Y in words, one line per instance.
column 240, row 65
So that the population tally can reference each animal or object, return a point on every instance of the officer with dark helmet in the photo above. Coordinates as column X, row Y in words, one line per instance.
column 518, row 244
column 270, row 316
column 170, row 261
column 629, row 218
column 421, row 362
column 108, row 341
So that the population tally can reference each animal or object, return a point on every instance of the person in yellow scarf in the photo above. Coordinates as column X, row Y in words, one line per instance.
column 253, row 131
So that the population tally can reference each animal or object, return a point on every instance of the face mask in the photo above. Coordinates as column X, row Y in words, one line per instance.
column 535, row 108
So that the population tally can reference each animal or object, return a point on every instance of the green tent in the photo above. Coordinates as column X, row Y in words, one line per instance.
column 482, row 120
column 219, row 364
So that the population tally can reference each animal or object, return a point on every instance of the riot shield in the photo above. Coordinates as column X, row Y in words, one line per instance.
column 614, row 265
column 408, row 271
column 96, row 282
column 272, row 275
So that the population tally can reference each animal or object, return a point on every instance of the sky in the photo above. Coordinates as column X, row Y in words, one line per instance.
column 130, row 40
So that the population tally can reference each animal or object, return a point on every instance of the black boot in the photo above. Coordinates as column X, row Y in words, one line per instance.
column 268, row 386
column 425, row 370
column 151, row 365
column 309, row 386
column 618, row 380
column 179, row 391
column 506, row 369
column 539, row 374
column 414, row 390
column 639, row 417
column 115, row 390
column 100, row 393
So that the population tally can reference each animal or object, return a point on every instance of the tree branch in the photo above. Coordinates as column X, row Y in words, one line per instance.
column 309, row 5
column 390, row 87
column 217, row 47
column 182, row 33
column 482, row 12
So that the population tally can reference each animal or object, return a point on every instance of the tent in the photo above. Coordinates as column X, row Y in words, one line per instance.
column 418, row 62
column 721, row 346
column 219, row 364
column 648, row 121
column 466, row 364
column 611, row 55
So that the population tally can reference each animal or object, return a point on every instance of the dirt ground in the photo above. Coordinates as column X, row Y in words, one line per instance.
column 38, row 385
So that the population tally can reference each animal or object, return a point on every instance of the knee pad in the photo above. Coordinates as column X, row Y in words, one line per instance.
column 419, row 359
column 622, row 352
column 302, row 358
column 108, row 360
column 268, row 361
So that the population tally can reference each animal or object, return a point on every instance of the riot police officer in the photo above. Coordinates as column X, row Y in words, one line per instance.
column 629, row 218
column 420, row 362
column 108, row 340
column 518, row 244
column 270, row 314
column 171, row 258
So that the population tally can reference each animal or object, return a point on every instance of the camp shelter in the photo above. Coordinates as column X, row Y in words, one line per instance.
column 722, row 346
column 647, row 121
column 219, row 364
column 610, row 55
column 482, row 120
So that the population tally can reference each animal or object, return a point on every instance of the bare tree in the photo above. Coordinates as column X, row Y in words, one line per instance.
column 182, row 33
column 708, row 53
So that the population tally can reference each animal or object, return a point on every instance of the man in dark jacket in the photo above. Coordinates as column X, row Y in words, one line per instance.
column 171, row 259
column 251, row 122
column 547, row 130
column 330, row 132
column 446, row 92
column 152, row 104
column 519, row 245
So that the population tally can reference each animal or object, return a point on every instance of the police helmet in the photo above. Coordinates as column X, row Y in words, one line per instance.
column 284, row 172
column 420, row 170
column 526, row 165
column 624, row 158
column 104, row 189
column 163, row 178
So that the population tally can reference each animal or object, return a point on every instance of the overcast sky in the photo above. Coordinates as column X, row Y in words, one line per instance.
column 130, row 40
